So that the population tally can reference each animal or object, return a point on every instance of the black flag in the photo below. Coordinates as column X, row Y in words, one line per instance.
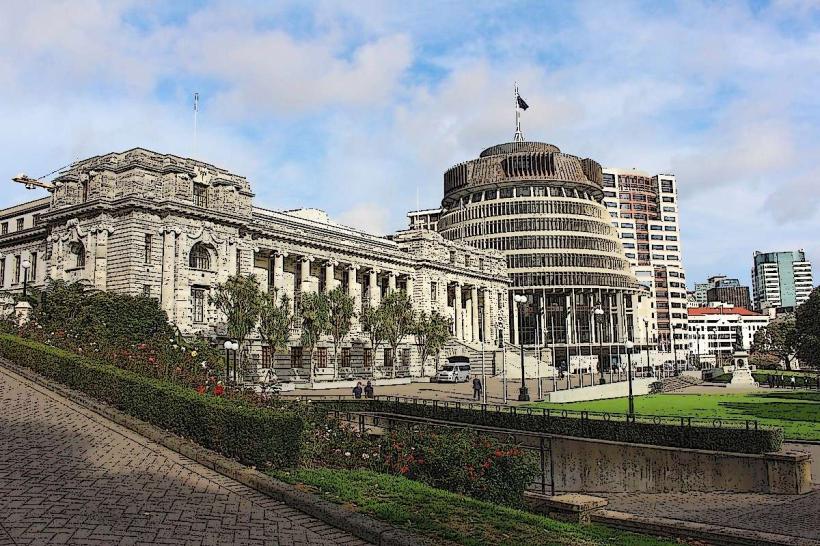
column 521, row 104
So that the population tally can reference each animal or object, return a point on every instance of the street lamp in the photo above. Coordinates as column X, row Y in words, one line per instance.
column 646, row 329
column 599, row 318
column 523, row 393
column 25, row 265
column 230, row 346
column 629, row 346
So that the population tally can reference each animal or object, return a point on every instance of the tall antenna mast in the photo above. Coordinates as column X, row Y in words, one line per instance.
column 196, row 111
column 519, row 136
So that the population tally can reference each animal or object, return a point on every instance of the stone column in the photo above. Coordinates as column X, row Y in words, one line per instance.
column 304, row 274
column 408, row 286
column 474, row 306
column 101, row 260
column 279, row 271
column 457, row 312
column 373, row 296
column 330, row 275
column 169, row 240
column 354, row 291
column 391, row 282
column 488, row 320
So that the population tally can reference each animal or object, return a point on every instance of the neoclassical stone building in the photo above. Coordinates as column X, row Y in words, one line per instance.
column 171, row 228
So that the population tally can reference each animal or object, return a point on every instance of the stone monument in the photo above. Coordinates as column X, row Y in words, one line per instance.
column 742, row 375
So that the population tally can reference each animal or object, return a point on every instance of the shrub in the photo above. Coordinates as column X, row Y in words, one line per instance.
column 458, row 460
column 255, row 436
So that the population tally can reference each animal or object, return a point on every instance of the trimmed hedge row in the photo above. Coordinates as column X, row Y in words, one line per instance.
column 736, row 440
column 254, row 436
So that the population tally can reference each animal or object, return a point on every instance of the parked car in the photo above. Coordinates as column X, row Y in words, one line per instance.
column 457, row 370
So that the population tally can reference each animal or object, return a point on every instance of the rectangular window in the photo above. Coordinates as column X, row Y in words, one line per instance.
column 33, row 270
column 200, row 195
column 666, row 186
column 198, row 304
column 321, row 357
column 267, row 356
column 367, row 359
column 433, row 292
column 85, row 190
column 19, row 224
column 405, row 358
column 295, row 357
column 35, row 220
column 147, row 253
column 452, row 256
column 4, row 228
column 146, row 290
column 345, row 357
column 388, row 357
column 2, row 272
column 16, row 273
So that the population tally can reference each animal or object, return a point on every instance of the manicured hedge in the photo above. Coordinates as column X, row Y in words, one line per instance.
column 252, row 435
column 737, row 440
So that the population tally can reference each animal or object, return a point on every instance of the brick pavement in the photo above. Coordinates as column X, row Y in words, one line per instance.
column 70, row 476
column 792, row 515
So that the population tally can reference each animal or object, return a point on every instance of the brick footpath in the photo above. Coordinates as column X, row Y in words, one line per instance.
column 70, row 476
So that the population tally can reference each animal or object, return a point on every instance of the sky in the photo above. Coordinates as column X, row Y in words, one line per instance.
column 359, row 107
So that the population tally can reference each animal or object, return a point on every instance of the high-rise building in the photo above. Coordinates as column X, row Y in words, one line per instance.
column 780, row 280
column 644, row 211
column 722, row 289
column 543, row 209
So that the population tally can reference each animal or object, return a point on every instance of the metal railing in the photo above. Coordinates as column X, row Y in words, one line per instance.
column 675, row 420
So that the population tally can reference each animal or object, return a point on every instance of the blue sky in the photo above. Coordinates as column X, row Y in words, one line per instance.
column 354, row 107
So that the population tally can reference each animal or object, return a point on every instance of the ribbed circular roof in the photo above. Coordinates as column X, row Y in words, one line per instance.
column 513, row 147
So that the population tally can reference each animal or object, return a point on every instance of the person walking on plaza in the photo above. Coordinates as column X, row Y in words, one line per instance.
column 477, row 386
column 357, row 390
column 368, row 390
column 794, row 383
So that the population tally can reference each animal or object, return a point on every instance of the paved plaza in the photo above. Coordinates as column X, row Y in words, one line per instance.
column 69, row 476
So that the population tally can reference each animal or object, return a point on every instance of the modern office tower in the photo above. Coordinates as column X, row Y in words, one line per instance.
column 543, row 210
column 780, row 280
column 722, row 289
column 644, row 210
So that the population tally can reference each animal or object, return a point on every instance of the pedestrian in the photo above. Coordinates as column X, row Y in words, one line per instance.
column 794, row 384
column 770, row 378
column 368, row 390
column 477, row 388
column 357, row 390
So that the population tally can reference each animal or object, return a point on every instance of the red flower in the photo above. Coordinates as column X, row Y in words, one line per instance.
column 219, row 390
column 201, row 389
column 404, row 470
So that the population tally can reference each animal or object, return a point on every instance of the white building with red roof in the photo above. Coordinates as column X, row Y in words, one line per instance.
column 714, row 330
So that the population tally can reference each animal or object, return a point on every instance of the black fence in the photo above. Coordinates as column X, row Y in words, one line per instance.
column 732, row 435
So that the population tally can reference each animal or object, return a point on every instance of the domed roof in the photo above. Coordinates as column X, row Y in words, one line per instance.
column 513, row 147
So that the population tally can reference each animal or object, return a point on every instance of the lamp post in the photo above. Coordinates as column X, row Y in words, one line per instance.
column 646, row 329
column 599, row 319
column 629, row 346
column 25, row 265
column 675, row 348
column 523, row 393
column 230, row 346
column 503, row 358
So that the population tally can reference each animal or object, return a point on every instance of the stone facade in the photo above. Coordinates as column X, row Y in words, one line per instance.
column 171, row 228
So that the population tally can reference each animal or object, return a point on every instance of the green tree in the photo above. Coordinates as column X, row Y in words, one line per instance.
column 397, row 318
column 807, row 323
column 340, row 318
column 239, row 299
column 779, row 338
column 275, row 321
column 432, row 333
column 313, row 307
column 372, row 323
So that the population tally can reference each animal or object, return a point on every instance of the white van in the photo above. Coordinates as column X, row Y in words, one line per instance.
column 457, row 370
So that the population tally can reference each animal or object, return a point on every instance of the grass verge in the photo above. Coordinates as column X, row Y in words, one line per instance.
column 797, row 413
column 441, row 517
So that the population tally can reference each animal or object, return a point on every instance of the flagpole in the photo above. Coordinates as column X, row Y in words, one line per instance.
column 196, row 111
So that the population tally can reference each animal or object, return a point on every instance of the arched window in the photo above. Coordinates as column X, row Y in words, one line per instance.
column 200, row 257
column 78, row 251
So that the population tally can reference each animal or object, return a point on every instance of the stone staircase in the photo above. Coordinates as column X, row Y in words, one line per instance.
column 671, row 384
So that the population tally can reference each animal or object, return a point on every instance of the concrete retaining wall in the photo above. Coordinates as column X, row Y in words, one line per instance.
column 598, row 466
column 599, row 392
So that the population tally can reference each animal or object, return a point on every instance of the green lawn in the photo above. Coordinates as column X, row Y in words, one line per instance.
column 446, row 518
column 798, row 413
